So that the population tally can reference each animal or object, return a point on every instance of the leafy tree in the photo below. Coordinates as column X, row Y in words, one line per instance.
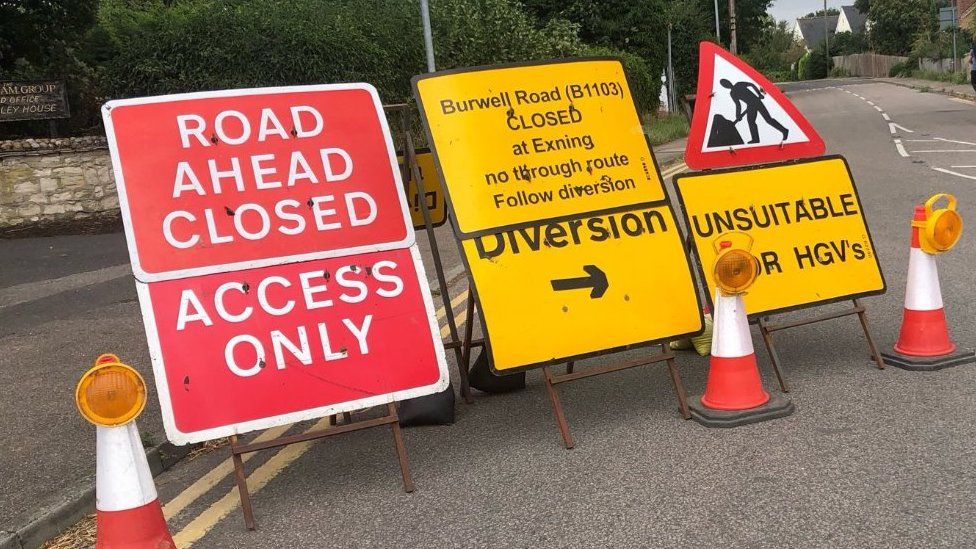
column 821, row 13
column 776, row 54
column 37, row 32
column 897, row 23
column 815, row 64
column 846, row 43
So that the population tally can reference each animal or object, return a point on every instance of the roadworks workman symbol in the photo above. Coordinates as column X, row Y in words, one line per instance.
column 742, row 118
column 810, row 235
column 748, row 99
column 564, row 289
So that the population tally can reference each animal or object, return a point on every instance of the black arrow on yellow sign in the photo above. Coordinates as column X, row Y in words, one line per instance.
column 595, row 279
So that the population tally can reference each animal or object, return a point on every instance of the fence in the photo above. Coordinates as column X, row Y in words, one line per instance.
column 868, row 64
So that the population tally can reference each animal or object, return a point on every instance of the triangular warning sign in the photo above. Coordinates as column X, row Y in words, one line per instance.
column 742, row 118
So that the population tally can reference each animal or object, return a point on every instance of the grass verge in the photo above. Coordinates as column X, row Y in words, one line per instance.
column 666, row 128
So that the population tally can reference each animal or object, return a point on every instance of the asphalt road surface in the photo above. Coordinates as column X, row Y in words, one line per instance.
column 870, row 459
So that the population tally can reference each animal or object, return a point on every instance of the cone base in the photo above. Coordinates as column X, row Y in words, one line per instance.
column 777, row 406
column 929, row 363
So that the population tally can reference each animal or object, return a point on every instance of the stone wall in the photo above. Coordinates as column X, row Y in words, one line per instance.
column 54, row 185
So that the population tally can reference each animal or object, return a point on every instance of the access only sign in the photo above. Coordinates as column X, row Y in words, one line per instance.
column 239, row 351
column 808, row 226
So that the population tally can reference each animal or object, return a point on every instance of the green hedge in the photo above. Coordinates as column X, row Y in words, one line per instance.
column 155, row 47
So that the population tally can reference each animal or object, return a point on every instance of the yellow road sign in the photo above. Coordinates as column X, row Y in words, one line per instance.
column 522, row 143
column 809, row 231
column 567, row 289
column 434, row 191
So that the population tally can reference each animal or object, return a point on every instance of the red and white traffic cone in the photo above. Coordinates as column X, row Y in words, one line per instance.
column 128, row 512
column 924, row 343
column 734, row 394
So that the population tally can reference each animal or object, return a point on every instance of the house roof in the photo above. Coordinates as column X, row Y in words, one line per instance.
column 812, row 29
column 855, row 18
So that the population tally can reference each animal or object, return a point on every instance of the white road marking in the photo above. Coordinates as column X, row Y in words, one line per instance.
column 901, row 148
column 899, row 126
column 871, row 103
column 885, row 116
column 32, row 291
column 957, row 174
column 962, row 166
column 877, row 108
column 954, row 141
column 921, row 140
column 946, row 151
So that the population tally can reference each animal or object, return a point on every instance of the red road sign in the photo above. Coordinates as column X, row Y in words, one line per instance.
column 234, row 352
column 742, row 118
column 217, row 181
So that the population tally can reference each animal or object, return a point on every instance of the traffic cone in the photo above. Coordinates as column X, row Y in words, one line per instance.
column 924, row 343
column 734, row 394
column 128, row 514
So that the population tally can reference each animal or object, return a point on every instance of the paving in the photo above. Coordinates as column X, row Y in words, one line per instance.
column 870, row 458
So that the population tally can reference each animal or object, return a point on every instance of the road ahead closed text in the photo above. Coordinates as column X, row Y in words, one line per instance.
column 221, row 180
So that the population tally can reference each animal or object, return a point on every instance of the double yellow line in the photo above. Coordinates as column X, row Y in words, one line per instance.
column 220, row 509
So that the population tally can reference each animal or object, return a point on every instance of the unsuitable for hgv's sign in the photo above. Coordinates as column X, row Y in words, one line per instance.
column 808, row 227
column 277, row 271
column 228, row 180
column 519, row 144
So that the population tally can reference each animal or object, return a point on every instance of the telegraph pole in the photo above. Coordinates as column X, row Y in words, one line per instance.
column 955, row 23
column 718, row 31
column 428, row 38
column 733, row 46
column 827, row 37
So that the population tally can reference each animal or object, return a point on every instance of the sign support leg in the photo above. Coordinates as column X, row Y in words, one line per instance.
column 767, row 336
column 679, row 388
column 862, row 315
column 410, row 164
column 468, row 332
column 557, row 409
column 391, row 418
column 401, row 450
column 242, row 485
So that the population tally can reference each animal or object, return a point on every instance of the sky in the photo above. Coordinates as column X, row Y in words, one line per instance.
column 789, row 10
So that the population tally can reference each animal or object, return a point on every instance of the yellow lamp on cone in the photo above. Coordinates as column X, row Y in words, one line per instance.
column 736, row 269
column 942, row 226
column 110, row 394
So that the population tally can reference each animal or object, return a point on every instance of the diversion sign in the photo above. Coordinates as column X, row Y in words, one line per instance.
column 809, row 231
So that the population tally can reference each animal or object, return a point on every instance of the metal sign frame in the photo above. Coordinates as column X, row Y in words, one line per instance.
column 551, row 379
column 766, row 326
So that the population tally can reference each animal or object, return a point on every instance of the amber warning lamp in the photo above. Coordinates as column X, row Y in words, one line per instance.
column 111, row 393
column 939, row 229
column 736, row 268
